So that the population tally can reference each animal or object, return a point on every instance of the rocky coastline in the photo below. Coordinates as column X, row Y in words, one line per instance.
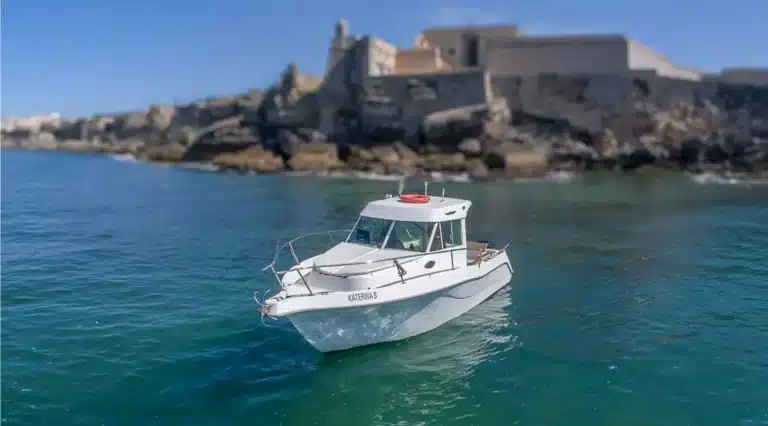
column 707, row 127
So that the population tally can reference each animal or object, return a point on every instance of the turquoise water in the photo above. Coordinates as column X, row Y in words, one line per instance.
column 126, row 300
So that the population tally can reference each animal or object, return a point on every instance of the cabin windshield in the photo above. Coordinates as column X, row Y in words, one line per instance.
column 370, row 231
column 385, row 233
column 413, row 236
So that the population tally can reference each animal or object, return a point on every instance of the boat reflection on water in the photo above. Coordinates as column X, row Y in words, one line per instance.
column 406, row 380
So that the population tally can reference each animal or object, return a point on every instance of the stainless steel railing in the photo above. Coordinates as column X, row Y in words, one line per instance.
column 396, row 262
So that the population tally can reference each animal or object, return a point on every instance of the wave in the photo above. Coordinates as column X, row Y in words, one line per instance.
column 201, row 166
column 125, row 158
column 432, row 176
column 726, row 179
column 558, row 177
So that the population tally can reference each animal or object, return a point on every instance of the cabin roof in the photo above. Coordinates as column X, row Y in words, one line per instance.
column 438, row 209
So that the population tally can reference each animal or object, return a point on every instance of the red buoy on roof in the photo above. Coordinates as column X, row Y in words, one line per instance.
column 414, row 198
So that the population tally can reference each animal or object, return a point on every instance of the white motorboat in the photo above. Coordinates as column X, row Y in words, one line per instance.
column 405, row 268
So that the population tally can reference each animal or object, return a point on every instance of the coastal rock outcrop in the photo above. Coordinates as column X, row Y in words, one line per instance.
column 530, row 125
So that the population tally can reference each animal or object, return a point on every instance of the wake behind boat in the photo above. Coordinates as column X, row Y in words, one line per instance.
column 404, row 269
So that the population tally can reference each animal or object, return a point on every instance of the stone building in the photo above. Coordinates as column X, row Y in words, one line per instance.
column 502, row 50
column 371, row 84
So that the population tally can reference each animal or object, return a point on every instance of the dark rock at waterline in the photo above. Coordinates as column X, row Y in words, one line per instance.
column 537, row 124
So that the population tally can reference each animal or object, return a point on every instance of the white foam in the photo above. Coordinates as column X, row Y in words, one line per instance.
column 558, row 177
column 725, row 179
column 124, row 158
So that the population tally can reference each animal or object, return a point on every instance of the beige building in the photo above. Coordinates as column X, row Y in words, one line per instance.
column 464, row 47
column 503, row 50
column 370, row 81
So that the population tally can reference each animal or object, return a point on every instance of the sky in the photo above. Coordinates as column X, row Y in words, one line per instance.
column 81, row 57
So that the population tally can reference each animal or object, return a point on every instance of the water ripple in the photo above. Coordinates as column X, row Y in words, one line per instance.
column 127, row 300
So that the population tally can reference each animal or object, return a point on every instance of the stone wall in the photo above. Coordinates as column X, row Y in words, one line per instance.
column 454, row 43
column 753, row 76
column 380, row 57
column 404, row 100
column 622, row 103
column 418, row 61
column 561, row 55
column 643, row 58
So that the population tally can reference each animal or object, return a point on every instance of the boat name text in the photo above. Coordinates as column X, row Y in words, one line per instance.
column 360, row 297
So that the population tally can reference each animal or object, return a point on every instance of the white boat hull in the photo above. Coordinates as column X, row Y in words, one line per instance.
column 330, row 330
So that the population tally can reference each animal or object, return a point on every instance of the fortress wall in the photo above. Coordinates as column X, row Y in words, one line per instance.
column 598, row 101
column 417, row 61
column 750, row 76
column 560, row 55
column 407, row 99
column 643, row 58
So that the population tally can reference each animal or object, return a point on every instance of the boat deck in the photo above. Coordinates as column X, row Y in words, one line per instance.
column 477, row 252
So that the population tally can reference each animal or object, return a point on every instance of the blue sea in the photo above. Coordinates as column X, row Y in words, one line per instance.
column 127, row 300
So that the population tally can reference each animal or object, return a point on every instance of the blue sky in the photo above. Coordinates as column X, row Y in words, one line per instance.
column 80, row 57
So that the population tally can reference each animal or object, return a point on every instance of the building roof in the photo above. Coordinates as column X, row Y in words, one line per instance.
column 438, row 209
column 470, row 28
column 560, row 39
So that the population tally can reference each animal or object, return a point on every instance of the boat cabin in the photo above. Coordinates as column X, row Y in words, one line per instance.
column 433, row 225
column 399, row 237
column 395, row 240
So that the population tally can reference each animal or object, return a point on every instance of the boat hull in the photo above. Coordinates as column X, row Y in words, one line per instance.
column 331, row 330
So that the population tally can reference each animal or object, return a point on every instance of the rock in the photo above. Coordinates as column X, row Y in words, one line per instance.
column 207, row 150
column 32, row 125
column 386, row 155
column 310, row 135
column 450, row 127
column 288, row 143
column 477, row 169
column 81, row 146
column 558, row 121
column 444, row 162
column 408, row 158
column 572, row 155
column 171, row 153
column 36, row 144
column 361, row 153
column 646, row 150
column 98, row 127
column 515, row 161
column 526, row 164
column 255, row 158
column 471, row 147
column 689, row 151
column 315, row 156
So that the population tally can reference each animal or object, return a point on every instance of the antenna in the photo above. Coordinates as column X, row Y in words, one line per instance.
column 443, row 196
column 401, row 185
column 425, row 187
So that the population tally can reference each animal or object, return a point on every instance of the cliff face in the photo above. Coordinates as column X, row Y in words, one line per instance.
column 530, row 125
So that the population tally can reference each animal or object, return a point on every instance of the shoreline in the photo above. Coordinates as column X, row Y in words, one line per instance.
column 717, row 174
column 539, row 126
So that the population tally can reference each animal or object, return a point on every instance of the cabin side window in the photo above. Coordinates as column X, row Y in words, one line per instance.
column 413, row 236
column 447, row 235
column 452, row 233
column 370, row 231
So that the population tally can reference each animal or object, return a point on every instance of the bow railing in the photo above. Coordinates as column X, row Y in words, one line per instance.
column 328, row 237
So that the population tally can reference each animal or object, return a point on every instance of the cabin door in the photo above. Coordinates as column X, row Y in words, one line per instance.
column 472, row 49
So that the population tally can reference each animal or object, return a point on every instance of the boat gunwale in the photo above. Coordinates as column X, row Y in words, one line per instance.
column 383, row 302
column 402, row 280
